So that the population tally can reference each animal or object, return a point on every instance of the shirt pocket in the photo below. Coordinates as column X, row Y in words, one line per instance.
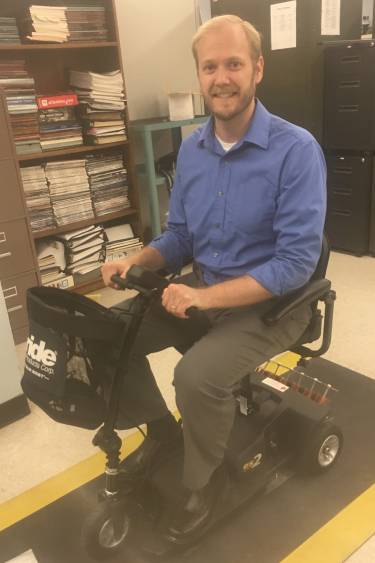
column 252, row 207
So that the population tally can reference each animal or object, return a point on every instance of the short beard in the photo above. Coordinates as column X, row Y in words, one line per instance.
column 235, row 113
column 250, row 95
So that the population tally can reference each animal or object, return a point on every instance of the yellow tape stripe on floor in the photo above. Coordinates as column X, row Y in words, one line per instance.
column 54, row 488
column 342, row 535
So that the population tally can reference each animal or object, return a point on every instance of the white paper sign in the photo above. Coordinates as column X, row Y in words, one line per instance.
column 331, row 17
column 283, row 25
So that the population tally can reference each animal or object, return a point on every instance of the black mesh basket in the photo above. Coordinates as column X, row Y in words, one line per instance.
column 72, row 353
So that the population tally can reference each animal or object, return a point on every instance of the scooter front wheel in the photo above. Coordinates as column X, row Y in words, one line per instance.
column 105, row 532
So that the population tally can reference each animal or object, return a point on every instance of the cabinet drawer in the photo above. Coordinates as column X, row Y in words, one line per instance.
column 10, row 191
column 15, row 250
column 14, row 290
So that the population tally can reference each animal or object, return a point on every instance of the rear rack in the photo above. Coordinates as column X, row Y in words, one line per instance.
column 311, row 387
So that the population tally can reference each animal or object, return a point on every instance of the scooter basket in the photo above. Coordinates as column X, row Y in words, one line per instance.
column 72, row 353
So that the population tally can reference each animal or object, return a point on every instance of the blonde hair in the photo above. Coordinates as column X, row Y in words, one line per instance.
column 252, row 35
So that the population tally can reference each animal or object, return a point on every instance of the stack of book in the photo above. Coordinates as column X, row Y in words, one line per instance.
column 121, row 242
column 59, row 24
column 84, row 250
column 19, row 89
column 70, row 191
column 51, row 259
column 87, row 23
column 102, row 102
column 9, row 31
column 37, row 197
column 58, row 124
column 108, row 183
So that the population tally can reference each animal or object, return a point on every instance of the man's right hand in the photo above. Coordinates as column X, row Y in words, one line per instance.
column 119, row 267
column 149, row 258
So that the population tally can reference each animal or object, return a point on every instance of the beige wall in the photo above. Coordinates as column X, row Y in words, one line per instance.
column 155, row 38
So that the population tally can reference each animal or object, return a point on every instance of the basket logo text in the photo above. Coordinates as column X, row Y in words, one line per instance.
column 40, row 353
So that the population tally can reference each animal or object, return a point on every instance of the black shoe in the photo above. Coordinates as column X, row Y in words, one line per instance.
column 138, row 463
column 191, row 517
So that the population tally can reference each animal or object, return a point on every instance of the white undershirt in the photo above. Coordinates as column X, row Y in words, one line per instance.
column 226, row 146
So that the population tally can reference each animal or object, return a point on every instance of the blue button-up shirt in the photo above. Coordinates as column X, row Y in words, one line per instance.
column 257, row 209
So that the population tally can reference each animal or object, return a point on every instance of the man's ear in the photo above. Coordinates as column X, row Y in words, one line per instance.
column 259, row 68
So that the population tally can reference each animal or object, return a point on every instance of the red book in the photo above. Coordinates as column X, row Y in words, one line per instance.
column 57, row 101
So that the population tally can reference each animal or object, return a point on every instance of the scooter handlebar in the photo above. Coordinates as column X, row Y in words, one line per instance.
column 118, row 280
column 145, row 280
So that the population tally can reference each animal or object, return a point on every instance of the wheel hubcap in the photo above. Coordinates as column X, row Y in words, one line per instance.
column 329, row 450
column 111, row 536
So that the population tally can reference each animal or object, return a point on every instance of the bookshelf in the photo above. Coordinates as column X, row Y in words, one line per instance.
column 83, row 149
column 49, row 65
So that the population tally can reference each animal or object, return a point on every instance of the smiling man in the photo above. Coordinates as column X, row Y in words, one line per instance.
column 248, row 206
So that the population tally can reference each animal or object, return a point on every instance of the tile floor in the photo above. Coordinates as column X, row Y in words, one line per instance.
column 35, row 448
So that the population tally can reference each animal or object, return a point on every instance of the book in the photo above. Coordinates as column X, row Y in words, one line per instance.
column 105, row 140
column 57, row 100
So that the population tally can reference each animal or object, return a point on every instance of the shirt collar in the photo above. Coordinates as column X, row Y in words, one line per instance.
column 257, row 134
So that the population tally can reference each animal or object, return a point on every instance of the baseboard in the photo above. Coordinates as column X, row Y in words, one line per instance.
column 14, row 409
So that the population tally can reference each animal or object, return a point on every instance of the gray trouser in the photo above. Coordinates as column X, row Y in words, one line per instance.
column 222, row 347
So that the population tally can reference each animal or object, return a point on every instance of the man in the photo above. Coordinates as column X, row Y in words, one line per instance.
column 248, row 205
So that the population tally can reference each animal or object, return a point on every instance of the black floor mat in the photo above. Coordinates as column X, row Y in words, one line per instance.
column 265, row 530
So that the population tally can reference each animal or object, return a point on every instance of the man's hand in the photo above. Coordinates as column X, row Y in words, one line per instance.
column 177, row 298
column 119, row 267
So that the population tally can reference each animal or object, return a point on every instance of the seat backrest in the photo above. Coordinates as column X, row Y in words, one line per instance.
column 321, row 267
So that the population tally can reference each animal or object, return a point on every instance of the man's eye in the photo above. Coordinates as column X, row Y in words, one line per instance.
column 234, row 64
column 208, row 68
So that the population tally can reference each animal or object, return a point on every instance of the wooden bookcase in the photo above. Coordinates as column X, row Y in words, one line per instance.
column 49, row 65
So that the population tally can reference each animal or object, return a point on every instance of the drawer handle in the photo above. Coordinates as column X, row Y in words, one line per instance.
column 5, row 255
column 3, row 238
column 10, row 292
column 16, row 308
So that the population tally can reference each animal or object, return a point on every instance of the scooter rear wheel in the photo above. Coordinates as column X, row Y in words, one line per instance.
column 105, row 532
column 322, row 450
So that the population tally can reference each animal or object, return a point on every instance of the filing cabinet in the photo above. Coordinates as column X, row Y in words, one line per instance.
column 349, row 185
column 18, row 269
column 349, row 99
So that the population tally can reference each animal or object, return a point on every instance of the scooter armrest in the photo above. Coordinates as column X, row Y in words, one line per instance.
column 305, row 295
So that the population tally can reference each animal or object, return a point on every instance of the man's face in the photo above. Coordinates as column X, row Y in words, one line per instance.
column 226, row 72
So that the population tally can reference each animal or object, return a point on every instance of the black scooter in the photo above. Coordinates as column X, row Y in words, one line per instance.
column 283, row 419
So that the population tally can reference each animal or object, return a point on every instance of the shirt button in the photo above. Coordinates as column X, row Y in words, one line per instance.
column 217, row 225
column 220, row 194
column 216, row 254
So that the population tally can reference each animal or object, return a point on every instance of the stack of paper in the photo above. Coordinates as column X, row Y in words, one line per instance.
column 38, row 199
column 46, row 23
column 84, row 249
column 9, row 31
column 70, row 191
column 51, row 259
column 19, row 89
column 108, row 183
column 121, row 242
column 101, row 94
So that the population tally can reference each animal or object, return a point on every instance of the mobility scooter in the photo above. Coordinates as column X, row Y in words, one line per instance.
column 284, row 418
